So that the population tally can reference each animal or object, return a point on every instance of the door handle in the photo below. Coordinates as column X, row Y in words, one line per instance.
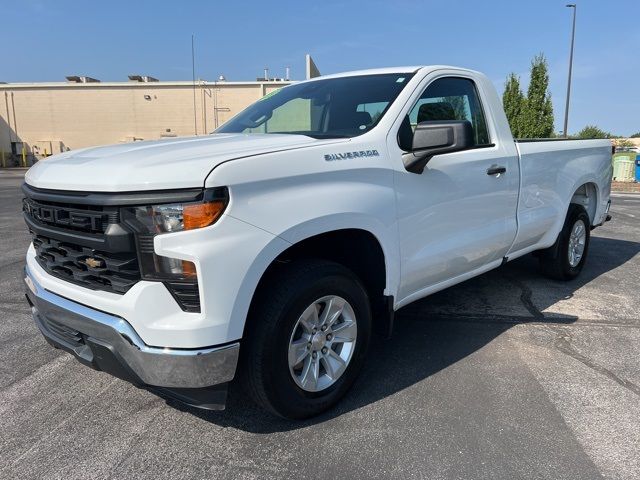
column 496, row 170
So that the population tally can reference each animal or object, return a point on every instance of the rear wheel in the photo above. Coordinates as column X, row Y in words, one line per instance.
column 307, row 337
column 565, row 259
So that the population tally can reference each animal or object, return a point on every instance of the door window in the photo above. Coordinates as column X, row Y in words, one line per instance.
column 448, row 98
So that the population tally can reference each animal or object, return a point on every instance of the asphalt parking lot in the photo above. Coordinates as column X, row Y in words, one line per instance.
column 506, row 376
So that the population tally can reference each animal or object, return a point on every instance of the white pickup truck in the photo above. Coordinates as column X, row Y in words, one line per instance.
column 276, row 245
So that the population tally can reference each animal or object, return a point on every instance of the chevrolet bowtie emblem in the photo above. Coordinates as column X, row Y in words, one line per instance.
column 94, row 262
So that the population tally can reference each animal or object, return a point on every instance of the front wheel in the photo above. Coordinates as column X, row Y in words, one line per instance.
column 307, row 337
column 565, row 259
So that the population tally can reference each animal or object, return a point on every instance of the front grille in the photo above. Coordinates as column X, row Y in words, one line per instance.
column 115, row 272
column 85, row 244
column 82, row 218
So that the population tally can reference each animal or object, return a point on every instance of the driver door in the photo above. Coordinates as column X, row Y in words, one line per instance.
column 454, row 217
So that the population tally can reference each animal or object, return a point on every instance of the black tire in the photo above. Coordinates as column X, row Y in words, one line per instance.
column 554, row 261
column 282, row 298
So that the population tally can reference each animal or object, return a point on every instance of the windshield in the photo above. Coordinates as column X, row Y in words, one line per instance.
column 331, row 108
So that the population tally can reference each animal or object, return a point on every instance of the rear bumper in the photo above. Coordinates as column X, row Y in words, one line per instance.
column 109, row 343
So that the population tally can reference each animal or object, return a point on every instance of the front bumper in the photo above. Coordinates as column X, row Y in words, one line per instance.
column 109, row 343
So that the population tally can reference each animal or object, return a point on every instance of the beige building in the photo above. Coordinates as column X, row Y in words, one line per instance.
column 47, row 118
column 41, row 119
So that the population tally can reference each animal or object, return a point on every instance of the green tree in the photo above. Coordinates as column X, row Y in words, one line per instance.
column 591, row 131
column 458, row 105
column 537, row 112
column 635, row 135
column 513, row 101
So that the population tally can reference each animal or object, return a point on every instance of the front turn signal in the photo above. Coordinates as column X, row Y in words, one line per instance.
column 199, row 215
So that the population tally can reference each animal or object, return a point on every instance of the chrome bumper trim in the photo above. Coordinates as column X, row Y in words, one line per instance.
column 153, row 366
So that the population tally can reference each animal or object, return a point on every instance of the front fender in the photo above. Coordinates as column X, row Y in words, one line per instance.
column 303, row 231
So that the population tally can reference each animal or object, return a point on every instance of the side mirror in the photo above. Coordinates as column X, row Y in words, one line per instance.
column 436, row 137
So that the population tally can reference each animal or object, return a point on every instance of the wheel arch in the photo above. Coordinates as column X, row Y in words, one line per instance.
column 584, row 193
column 587, row 196
column 314, row 240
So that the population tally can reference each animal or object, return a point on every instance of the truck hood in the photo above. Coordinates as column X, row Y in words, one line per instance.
column 181, row 162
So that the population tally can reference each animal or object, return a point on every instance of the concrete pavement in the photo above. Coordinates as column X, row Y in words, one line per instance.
column 509, row 375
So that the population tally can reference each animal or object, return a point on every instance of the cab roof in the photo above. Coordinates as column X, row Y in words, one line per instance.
column 381, row 71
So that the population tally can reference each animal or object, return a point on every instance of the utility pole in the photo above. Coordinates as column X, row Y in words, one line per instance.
column 193, row 72
column 6, row 102
column 573, row 35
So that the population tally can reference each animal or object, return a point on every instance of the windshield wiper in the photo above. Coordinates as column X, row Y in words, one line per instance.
column 316, row 135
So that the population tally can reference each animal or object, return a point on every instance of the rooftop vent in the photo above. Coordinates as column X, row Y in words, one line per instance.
column 142, row 78
column 81, row 79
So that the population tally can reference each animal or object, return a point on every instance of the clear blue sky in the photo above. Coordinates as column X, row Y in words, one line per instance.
column 45, row 40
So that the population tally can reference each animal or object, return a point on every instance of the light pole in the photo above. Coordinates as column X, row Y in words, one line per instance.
column 573, row 35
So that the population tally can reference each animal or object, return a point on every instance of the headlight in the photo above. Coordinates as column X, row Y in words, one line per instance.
column 175, row 217
column 149, row 221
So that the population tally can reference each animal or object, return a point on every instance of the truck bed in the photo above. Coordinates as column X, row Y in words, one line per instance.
column 550, row 169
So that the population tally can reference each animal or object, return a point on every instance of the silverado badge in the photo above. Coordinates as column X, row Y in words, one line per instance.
column 347, row 155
